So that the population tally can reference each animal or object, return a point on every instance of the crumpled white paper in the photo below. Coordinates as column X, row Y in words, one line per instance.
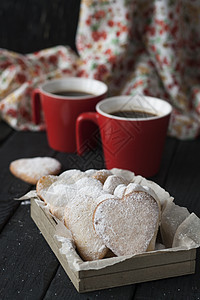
column 179, row 229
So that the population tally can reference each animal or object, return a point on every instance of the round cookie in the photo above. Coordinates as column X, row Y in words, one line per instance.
column 32, row 169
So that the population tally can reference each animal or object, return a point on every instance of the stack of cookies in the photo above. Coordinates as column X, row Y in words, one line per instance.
column 107, row 211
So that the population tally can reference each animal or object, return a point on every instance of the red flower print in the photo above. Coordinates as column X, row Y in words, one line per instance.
column 42, row 59
column 82, row 73
column 159, row 22
column 99, row 14
column 67, row 71
column 170, row 86
column 5, row 64
column 24, row 113
column 110, row 23
column 60, row 52
column 128, row 90
column 158, row 57
column 53, row 59
column 21, row 63
column 101, row 71
column 96, row 36
column 165, row 61
column 166, row 27
column 21, row 78
column 104, row 35
column 174, row 30
column 112, row 59
column 89, row 46
column 138, row 83
column 150, row 29
column 88, row 21
column 146, row 92
column 12, row 112
column 108, row 51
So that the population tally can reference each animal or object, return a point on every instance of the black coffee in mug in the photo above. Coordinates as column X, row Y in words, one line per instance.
column 72, row 93
column 133, row 114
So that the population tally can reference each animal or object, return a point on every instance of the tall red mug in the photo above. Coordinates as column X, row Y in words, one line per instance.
column 134, row 144
column 60, row 112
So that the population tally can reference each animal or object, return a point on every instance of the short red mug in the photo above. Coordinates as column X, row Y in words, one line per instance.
column 135, row 144
column 62, row 100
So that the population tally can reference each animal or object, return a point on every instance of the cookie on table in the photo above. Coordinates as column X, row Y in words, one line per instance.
column 32, row 169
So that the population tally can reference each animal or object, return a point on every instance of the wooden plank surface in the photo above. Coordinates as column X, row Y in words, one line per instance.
column 21, row 241
column 5, row 131
column 184, row 175
column 27, row 262
column 28, row 26
column 47, row 228
column 182, row 181
column 62, row 288
column 19, row 145
column 25, row 271
column 183, row 287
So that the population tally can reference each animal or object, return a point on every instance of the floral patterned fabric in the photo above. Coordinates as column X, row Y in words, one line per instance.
column 135, row 46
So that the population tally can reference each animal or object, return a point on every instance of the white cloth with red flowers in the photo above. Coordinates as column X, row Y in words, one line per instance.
column 135, row 46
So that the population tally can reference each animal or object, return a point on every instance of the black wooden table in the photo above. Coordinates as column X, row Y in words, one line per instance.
column 28, row 267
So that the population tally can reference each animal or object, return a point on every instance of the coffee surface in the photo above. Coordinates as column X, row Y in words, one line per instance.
column 71, row 93
column 133, row 114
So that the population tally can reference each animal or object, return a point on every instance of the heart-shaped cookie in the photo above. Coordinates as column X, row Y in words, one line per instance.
column 78, row 219
column 32, row 169
column 129, row 225
column 58, row 191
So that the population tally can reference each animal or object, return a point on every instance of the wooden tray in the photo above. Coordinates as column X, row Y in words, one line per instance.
column 146, row 267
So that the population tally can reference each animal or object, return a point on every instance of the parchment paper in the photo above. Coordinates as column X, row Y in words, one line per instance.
column 179, row 229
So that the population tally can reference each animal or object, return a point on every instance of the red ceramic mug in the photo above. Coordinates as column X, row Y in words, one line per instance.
column 62, row 100
column 132, row 143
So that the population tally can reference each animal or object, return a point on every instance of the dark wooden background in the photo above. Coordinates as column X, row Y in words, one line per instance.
column 30, row 25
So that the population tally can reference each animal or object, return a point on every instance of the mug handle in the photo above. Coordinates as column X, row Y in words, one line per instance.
column 36, row 106
column 86, row 116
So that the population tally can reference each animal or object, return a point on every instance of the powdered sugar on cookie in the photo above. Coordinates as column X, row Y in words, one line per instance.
column 78, row 219
column 58, row 191
column 127, row 226
column 31, row 169
column 112, row 182
column 104, row 210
